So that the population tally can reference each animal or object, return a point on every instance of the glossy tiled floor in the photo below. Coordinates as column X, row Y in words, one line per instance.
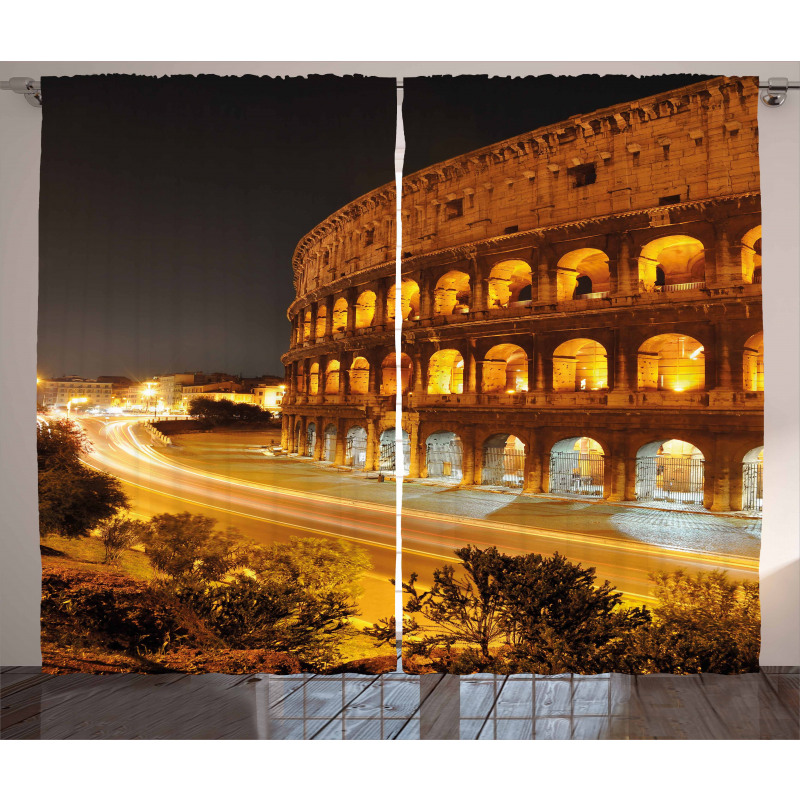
column 395, row 706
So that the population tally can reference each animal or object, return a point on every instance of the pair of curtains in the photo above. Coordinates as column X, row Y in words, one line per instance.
column 561, row 374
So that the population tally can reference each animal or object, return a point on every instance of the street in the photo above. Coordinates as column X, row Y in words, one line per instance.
column 157, row 483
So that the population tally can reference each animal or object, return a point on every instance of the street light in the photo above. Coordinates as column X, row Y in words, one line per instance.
column 148, row 393
column 77, row 401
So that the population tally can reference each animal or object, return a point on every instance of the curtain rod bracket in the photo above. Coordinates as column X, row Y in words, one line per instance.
column 28, row 87
column 776, row 91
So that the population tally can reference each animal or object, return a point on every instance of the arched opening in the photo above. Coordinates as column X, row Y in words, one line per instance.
column 751, row 255
column 340, row 315
column 505, row 370
column 452, row 293
column 446, row 373
column 389, row 374
column 680, row 258
column 583, row 273
column 313, row 378
column 670, row 471
column 355, row 447
column 359, row 376
column 577, row 466
column 503, row 461
column 580, row 365
column 443, row 456
column 388, row 456
column 311, row 440
column 409, row 300
column 753, row 480
column 672, row 362
column 365, row 309
column 753, row 363
column 306, row 324
column 332, row 377
column 300, row 378
column 507, row 281
column 329, row 449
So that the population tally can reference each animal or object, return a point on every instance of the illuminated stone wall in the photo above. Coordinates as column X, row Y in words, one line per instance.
column 598, row 279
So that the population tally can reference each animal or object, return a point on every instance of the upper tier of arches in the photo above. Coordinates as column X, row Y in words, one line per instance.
column 574, row 275
column 630, row 157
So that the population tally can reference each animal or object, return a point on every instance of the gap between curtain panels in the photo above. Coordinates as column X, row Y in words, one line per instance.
column 398, row 400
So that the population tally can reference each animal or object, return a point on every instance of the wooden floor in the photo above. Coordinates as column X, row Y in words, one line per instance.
column 763, row 705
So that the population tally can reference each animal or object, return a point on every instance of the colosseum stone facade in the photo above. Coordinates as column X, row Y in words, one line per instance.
column 581, row 311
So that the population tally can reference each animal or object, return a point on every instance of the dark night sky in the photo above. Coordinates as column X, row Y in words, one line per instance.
column 170, row 208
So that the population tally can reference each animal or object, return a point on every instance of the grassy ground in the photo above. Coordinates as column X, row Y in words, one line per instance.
column 88, row 552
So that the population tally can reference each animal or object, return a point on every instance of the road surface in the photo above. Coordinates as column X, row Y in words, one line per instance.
column 157, row 484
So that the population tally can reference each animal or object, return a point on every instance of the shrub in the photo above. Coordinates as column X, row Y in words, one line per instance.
column 120, row 533
column 115, row 612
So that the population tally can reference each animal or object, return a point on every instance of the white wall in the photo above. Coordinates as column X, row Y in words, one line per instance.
column 19, row 182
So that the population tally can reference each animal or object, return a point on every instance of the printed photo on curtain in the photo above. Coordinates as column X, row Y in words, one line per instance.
column 580, row 379
column 582, row 371
column 186, row 524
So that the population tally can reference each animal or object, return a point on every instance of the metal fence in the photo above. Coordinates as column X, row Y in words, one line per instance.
column 683, row 287
column 672, row 480
column 355, row 453
column 503, row 467
column 311, row 440
column 753, row 486
column 444, row 461
column 388, row 459
column 577, row 473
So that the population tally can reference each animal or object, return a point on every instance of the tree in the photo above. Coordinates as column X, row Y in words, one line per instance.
column 60, row 444
column 527, row 613
column 702, row 623
column 188, row 547
column 456, row 610
column 73, row 498
column 120, row 533
column 226, row 412
column 557, row 618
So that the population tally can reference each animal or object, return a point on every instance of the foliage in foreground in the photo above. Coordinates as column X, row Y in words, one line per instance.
column 295, row 597
column 545, row 615
column 73, row 498
column 217, row 593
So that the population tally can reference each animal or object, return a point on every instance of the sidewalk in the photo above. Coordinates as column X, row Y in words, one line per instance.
column 697, row 530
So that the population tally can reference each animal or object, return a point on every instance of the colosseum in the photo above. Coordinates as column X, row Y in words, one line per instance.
column 581, row 312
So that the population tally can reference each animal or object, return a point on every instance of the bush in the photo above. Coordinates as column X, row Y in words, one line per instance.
column 120, row 533
column 116, row 612
column 188, row 547
column 702, row 623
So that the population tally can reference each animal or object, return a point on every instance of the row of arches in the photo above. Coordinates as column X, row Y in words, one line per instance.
column 669, row 263
column 667, row 471
column 667, row 362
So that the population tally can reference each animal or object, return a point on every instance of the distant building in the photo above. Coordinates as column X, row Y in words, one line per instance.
column 59, row 391
column 269, row 395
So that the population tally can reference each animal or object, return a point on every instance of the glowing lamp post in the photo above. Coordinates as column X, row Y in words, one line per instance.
column 147, row 393
column 76, row 401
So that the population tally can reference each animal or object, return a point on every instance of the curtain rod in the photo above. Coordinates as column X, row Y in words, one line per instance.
column 774, row 95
